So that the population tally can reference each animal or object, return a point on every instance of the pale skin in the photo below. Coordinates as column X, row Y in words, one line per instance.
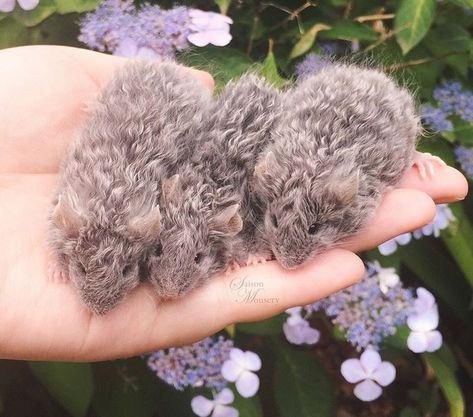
column 42, row 94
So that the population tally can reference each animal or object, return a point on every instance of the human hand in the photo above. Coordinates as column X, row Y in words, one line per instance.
column 43, row 91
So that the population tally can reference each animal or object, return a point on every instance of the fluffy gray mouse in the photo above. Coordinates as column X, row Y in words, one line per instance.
column 206, row 205
column 106, row 218
column 347, row 134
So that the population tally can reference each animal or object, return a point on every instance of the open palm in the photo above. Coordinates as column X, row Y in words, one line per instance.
column 42, row 101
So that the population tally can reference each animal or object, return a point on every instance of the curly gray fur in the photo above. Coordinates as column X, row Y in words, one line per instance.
column 207, row 203
column 106, row 217
column 347, row 134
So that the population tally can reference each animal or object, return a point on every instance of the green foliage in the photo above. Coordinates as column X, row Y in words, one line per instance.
column 448, row 383
column 69, row 383
column 301, row 384
column 413, row 20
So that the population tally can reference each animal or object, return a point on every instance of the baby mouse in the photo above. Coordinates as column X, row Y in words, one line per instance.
column 347, row 134
column 205, row 205
column 106, row 218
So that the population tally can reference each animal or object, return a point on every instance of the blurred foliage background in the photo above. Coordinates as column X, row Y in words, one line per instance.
column 427, row 46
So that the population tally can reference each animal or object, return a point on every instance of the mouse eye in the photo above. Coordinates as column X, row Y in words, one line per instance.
column 198, row 258
column 127, row 269
column 313, row 228
column 158, row 250
column 274, row 220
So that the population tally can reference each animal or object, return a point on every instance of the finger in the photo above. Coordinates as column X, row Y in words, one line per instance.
column 100, row 66
column 400, row 211
column 271, row 290
column 446, row 184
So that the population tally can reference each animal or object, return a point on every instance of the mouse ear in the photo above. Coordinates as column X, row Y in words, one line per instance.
column 228, row 221
column 170, row 187
column 263, row 167
column 345, row 187
column 148, row 225
column 66, row 218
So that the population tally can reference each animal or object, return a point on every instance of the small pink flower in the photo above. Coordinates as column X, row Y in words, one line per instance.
column 7, row 6
column 369, row 373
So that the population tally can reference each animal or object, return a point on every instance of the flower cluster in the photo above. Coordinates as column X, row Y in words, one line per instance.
column 119, row 27
column 369, row 373
column 452, row 100
column 443, row 217
column 196, row 365
column 370, row 310
column 423, row 322
column 465, row 158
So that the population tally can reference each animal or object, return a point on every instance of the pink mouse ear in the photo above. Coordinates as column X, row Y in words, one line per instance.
column 148, row 225
column 66, row 218
column 228, row 221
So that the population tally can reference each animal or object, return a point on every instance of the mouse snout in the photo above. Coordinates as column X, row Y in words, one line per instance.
column 289, row 259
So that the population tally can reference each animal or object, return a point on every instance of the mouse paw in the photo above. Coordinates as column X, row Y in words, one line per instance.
column 425, row 163
column 255, row 260
column 56, row 273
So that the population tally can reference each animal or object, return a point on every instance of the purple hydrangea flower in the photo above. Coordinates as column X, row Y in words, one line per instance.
column 423, row 322
column 443, row 216
column 239, row 368
column 218, row 407
column 7, row 6
column 436, row 118
column 454, row 100
column 367, row 312
column 369, row 373
column 311, row 64
column 465, row 158
column 196, row 365
column 390, row 246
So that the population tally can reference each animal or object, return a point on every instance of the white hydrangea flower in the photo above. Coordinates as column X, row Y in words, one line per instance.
column 369, row 373
column 390, row 246
column 209, row 27
column 7, row 6
column 443, row 217
column 423, row 323
column 388, row 278
column 297, row 329
column 218, row 407
column 239, row 369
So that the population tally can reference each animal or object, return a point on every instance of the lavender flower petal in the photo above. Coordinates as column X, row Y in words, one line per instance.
column 368, row 390
column 247, row 384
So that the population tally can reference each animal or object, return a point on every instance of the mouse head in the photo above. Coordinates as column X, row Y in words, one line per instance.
column 305, row 211
column 194, row 240
column 105, row 258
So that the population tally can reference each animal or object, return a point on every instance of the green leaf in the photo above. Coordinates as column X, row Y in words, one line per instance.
column 223, row 5
column 41, row 12
column 69, row 383
column 447, row 39
column 448, row 383
column 124, row 388
column 248, row 407
column 307, row 40
column 269, row 70
column 350, row 31
column 409, row 412
column 75, row 6
column 412, row 21
column 272, row 326
column 13, row 34
column 224, row 64
column 302, row 386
